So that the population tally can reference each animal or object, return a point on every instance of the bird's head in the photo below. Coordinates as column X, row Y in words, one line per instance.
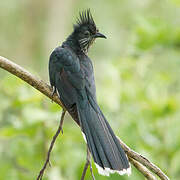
column 85, row 30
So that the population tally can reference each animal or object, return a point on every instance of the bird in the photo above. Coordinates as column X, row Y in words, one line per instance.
column 71, row 75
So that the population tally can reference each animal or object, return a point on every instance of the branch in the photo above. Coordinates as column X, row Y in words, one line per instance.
column 41, row 173
column 139, row 161
column 88, row 163
column 23, row 74
column 142, row 169
column 143, row 160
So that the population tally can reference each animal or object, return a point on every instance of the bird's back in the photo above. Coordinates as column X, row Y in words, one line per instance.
column 70, row 83
column 71, row 74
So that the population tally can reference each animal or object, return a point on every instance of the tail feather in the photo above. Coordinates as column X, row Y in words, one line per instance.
column 90, row 141
column 106, row 151
column 121, row 151
column 99, row 147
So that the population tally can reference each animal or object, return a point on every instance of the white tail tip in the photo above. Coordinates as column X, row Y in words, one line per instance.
column 106, row 171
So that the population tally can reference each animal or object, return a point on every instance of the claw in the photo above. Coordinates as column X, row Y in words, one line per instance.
column 53, row 92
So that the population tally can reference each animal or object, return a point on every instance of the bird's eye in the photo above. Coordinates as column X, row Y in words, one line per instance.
column 87, row 33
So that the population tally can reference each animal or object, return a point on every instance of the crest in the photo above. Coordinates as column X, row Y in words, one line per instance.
column 85, row 18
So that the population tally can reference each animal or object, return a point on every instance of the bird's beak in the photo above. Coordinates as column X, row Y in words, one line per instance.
column 99, row 35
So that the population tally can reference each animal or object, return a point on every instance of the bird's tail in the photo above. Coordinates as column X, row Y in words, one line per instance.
column 108, row 155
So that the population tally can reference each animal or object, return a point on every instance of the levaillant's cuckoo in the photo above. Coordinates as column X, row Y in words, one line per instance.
column 72, row 77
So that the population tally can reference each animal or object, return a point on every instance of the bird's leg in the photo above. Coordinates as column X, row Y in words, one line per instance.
column 88, row 162
column 53, row 92
column 51, row 146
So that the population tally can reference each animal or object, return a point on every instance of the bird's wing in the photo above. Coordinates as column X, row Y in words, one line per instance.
column 67, row 76
column 62, row 59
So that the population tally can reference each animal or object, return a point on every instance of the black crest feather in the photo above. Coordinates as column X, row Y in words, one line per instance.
column 85, row 18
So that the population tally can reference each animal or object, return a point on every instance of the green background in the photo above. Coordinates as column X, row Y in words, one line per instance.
column 137, row 73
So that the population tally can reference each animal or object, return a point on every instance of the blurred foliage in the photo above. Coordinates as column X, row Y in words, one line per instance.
column 139, row 91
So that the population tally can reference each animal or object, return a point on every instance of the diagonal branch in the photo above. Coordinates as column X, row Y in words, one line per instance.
column 139, row 161
column 41, row 173
column 142, row 169
column 23, row 74
column 143, row 160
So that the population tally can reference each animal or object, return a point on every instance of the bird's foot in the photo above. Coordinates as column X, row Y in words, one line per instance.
column 53, row 92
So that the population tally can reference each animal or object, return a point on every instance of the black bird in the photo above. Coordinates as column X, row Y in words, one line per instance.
column 71, row 75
